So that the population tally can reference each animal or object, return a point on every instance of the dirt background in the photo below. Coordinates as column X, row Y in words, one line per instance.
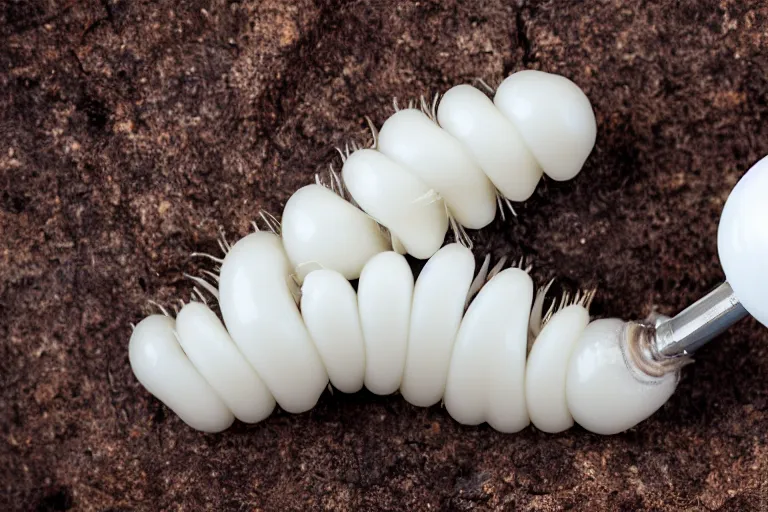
column 130, row 130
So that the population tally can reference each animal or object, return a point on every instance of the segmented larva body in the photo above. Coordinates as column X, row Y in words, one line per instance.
column 475, row 340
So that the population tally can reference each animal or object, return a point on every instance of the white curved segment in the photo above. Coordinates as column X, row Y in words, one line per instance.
column 466, row 388
column 547, row 366
column 487, row 371
column 161, row 366
column 329, row 309
column 742, row 240
column 417, row 143
column 493, row 141
column 384, row 296
column 398, row 200
column 508, row 301
column 438, row 305
column 397, row 245
column 322, row 230
column 554, row 117
column 216, row 357
column 263, row 320
column 604, row 394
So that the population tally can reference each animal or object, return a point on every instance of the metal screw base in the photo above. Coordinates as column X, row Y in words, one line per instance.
column 663, row 345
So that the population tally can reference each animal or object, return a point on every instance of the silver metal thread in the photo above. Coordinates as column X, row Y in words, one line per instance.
column 662, row 345
column 700, row 322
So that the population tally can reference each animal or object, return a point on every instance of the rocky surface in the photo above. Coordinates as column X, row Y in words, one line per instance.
column 130, row 130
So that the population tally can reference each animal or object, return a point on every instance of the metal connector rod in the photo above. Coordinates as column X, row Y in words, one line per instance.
column 699, row 323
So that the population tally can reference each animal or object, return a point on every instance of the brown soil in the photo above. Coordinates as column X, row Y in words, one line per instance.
column 130, row 130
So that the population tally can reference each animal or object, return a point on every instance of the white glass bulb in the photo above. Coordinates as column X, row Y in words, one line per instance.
column 742, row 240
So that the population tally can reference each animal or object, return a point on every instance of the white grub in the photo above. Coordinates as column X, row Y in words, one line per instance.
column 449, row 163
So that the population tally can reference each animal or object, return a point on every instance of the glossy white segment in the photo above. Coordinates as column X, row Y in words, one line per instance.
column 329, row 309
column 554, row 117
column 494, row 142
column 398, row 200
column 417, row 143
column 508, row 306
column 486, row 379
column 322, row 230
column 438, row 305
column 384, row 296
column 547, row 366
column 397, row 245
column 216, row 357
column 161, row 366
column 742, row 240
column 262, row 318
column 605, row 395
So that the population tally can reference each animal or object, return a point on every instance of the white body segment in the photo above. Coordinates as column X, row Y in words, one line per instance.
column 554, row 118
column 438, row 305
column 264, row 321
column 322, row 230
column 506, row 307
column 161, row 366
column 486, row 379
column 547, row 366
column 384, row 296
column 604, row 394
column 398, row 200
column 417, row 143
column 216, row 357
column 742, row 240
column 329, row 309
column 493, row 141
